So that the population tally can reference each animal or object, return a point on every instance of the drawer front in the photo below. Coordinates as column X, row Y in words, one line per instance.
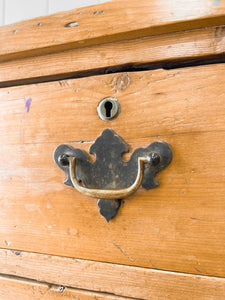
column 178, row 226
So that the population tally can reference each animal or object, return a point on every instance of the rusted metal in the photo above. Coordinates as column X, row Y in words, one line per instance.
column 109, row 177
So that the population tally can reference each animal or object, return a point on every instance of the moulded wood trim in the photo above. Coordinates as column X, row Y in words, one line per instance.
column 143, row 52
column 108, row 22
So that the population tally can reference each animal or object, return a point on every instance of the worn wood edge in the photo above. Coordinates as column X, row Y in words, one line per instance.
column 122, row 280
column 14, row 288
column 144, row 53
column 129, row 21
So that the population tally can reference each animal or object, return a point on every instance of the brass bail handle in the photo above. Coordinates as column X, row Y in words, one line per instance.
column 109, row 194
column 140, row 169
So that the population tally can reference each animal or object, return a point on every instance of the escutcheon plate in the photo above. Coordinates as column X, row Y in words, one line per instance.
column 109, row 171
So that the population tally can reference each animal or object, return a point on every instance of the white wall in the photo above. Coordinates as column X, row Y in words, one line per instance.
column 12, row 11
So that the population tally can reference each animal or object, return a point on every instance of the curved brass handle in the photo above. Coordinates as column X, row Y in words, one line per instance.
column 108, row 149
column 108, row 194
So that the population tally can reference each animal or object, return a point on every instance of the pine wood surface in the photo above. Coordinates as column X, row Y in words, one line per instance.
column 181, row 46
column 135, row 282
column 178, row 226
column 157, row 102
column 20, row 289
column 166, row 243
column 107, row 22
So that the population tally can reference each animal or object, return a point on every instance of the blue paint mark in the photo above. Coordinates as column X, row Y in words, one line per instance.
column 216, row 2
column 28, row 104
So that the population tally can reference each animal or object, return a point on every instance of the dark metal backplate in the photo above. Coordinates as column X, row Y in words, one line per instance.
column 109, row 170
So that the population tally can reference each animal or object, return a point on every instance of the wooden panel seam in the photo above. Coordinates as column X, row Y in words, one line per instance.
column 151, row 52
column 14, row 288
column 121, row 280
column 18, row 252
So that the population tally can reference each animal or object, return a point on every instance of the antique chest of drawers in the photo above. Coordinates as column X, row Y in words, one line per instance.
column 110, row 79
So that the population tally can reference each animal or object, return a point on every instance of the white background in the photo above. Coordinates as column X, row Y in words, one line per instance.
column 12, row 11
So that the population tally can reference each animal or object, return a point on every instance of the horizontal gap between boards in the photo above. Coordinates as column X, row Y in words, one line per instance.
column 166, row 65
column 59, row 288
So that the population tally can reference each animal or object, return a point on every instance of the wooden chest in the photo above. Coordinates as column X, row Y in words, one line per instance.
column 164, row 63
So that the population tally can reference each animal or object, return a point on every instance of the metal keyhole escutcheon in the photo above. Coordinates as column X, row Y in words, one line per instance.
column 108, row 108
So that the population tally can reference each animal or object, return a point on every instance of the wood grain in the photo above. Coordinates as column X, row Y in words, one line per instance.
column 108, row 22
column 128, row 281
column 179, row 46
column 162, row 241
column 179, row 226
column 20, row 289
column 157, row 102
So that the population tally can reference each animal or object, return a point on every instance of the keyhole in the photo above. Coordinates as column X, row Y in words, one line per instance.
column 108, row 108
